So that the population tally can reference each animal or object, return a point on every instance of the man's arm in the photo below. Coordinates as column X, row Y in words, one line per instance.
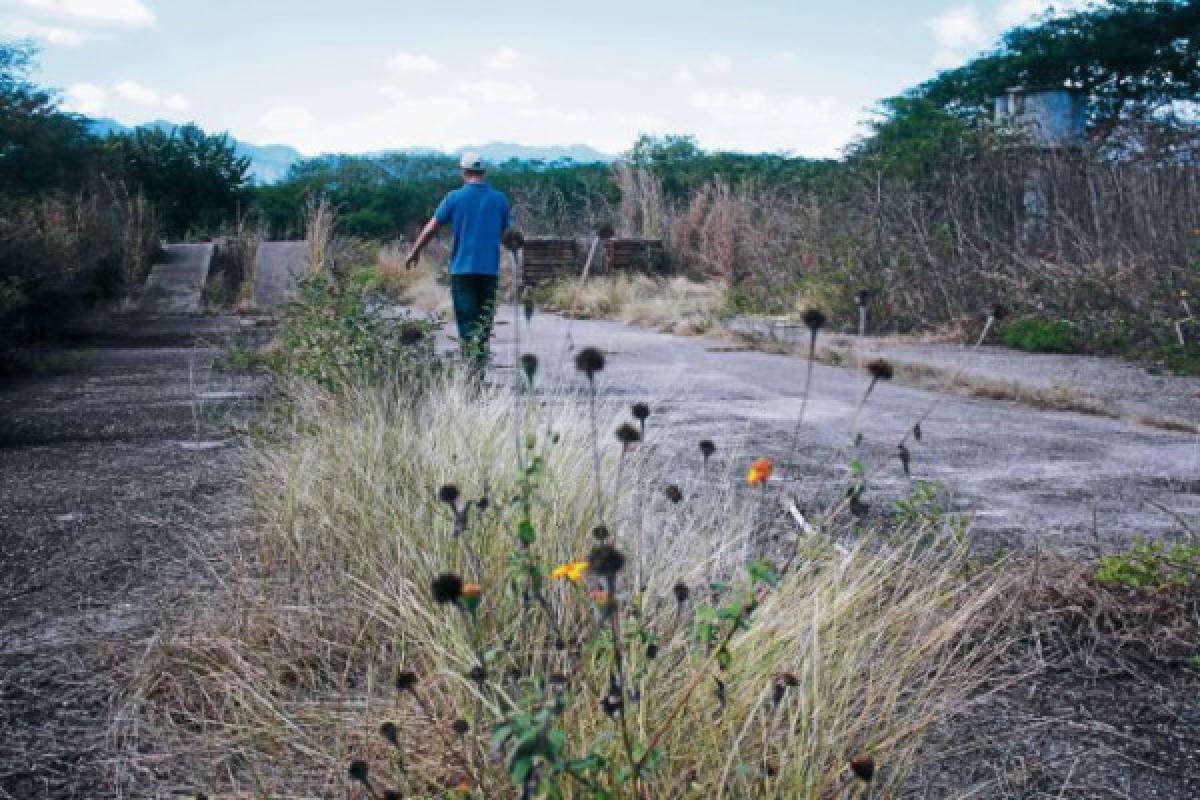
column 426, row 234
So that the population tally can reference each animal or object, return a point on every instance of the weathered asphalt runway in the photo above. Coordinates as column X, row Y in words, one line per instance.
column 1054, row 479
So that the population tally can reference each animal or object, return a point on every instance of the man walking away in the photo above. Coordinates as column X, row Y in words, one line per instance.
column 478, row 216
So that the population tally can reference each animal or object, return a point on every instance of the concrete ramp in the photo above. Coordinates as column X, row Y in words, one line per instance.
column 277, row 267
column 176, row 283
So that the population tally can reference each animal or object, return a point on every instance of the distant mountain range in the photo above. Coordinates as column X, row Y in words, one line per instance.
column 270, row 162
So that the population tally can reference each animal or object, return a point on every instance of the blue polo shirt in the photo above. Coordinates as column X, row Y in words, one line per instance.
column 477, row 214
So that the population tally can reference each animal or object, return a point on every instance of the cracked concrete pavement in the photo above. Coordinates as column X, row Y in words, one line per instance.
column 1026, row 476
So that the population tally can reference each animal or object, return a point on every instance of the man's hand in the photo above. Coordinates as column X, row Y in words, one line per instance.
column 414, row 258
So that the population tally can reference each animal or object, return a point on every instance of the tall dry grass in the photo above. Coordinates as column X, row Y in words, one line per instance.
column 675, row 305
column 1099, row 235
column 290, row 674
column 420, row 287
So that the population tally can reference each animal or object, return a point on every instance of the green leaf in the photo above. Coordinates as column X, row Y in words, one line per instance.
column 762, row 571
column 519, row 769
column 525, row 532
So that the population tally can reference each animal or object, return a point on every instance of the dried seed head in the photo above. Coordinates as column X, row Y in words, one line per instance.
column 861, row 297
column 411, row 334
column 605, row 560
column 513, row 240
column 613, row 699
column 448, row 494
column 674, row 493
column 461, row 726
column 605, row 230
column 529, row 306
column 863, row 766
column 358, row 771
column 707, row 448
column 880, row 369
column 447, row 588
column 641, row 411
column 627, row 434
column 917, row 431
column 600, row 533
column 814, row 319
column 681, row 591
column 529, row 365
column 406, row 680
column 478, row 674
column 589, row 361
column 998, row 312
column 388, row 731
column 651, row 651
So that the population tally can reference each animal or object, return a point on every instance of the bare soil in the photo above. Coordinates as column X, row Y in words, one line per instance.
column 105, row 472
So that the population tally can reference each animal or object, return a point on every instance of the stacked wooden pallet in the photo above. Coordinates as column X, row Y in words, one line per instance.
column 635, row 255
column 547, row 258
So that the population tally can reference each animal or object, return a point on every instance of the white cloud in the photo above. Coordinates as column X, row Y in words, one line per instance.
column 175, row 102
column 729, row 106
column 504, row 58
column 959, row 29
column 755, row 120
column 50, row 34
column 132, row 13
column 1019, row 12
column 785, row 57
column 132, row 90
column 286, row 119
column 413, row 62
column 443, row 120
column 718, row 64
column 499, row 93
column 961, row 32
column 554, row 115
column 85, row 98
column 393, row 92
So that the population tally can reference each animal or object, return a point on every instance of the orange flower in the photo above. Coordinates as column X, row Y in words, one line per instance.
column 760, row 470
column 472, row 593
column 572, row 571
column 600, row 598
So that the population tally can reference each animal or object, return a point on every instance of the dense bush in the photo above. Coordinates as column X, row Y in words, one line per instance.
column 81, row 217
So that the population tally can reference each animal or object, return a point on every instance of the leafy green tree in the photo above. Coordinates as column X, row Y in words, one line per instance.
column 1131, row 57
column 195, row 179
column 40, row 146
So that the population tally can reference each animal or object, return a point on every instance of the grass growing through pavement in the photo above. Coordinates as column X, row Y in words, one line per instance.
column 448, row 588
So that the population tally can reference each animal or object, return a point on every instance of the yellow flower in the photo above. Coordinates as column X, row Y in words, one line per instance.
column 760, row 470
column 572, row 570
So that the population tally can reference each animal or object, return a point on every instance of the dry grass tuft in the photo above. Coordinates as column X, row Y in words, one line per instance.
column 675, row 305
column 418, row 287
column 291, row 675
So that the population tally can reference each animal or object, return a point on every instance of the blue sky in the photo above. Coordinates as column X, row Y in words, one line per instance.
column 361, row 75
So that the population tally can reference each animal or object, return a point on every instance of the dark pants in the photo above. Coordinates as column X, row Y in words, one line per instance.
column 474, row 298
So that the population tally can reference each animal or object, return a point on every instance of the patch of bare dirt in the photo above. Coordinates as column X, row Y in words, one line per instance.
column 104, row 473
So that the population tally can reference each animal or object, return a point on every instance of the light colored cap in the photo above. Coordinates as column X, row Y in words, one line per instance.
column 472, row 162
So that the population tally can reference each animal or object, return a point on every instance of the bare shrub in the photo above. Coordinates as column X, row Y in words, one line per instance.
column 642, row 210
column 1100, row 235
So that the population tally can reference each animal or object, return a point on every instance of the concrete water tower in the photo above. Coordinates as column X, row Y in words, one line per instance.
column 1042, row 120
column 1046, row 119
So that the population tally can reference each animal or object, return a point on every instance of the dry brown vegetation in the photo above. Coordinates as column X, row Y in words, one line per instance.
column 1109, row 247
